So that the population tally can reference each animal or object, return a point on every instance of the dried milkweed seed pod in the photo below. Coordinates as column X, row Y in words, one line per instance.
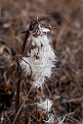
column 40, row 57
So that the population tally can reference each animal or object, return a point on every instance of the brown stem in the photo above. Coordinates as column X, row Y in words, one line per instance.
column 20, row 108
column 18, row 70
column 25, row 40
column 18, row 77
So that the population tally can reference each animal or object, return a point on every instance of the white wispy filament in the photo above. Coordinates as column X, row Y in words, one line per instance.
column 50, row 119
column 41, row 58
column 45, row 105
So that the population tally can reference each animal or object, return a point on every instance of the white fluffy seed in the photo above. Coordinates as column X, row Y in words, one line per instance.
column 41, row 60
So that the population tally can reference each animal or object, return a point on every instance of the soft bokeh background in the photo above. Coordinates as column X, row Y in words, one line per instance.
column 66, row 85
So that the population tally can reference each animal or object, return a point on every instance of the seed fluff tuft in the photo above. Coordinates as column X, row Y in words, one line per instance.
column 45, row 105
column 40, row 58
column 50, row 119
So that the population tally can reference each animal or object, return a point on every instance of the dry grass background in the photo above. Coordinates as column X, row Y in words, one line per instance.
column 66, row 85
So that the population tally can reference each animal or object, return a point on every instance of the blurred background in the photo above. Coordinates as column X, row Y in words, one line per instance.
column 66, row 85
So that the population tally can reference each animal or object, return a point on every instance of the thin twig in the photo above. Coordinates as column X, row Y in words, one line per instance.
column 18, row 70
column 20, row 108
column 18, row 84
column 25, row 40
